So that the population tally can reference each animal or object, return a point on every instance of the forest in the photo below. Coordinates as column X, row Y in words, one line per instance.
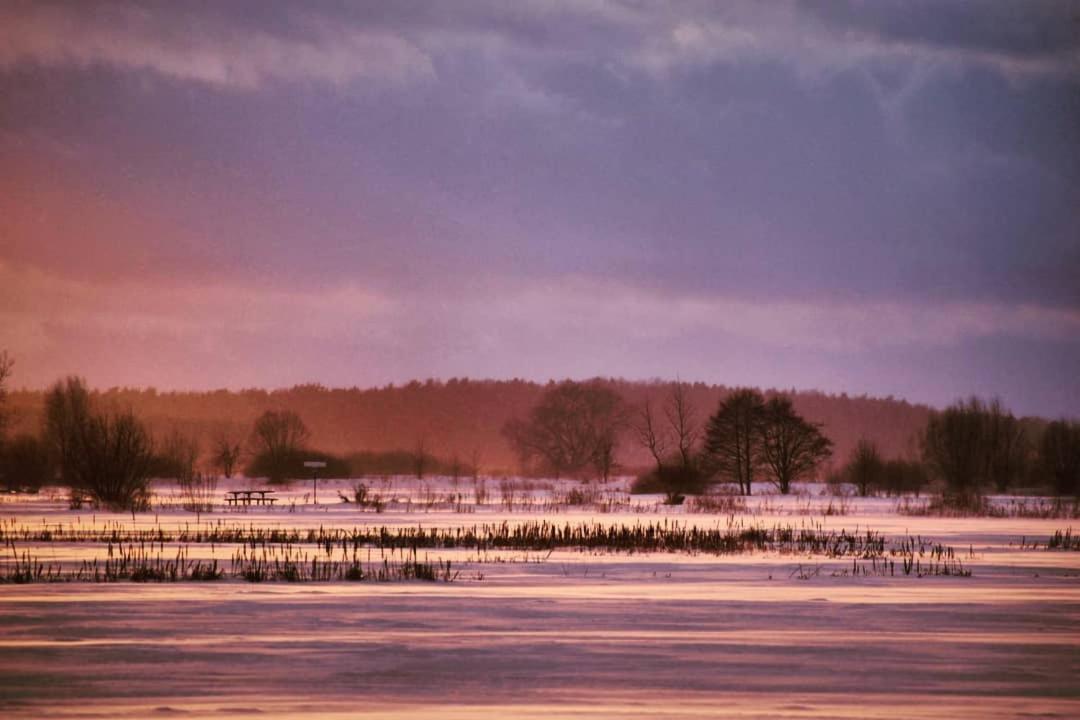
column 463, row 418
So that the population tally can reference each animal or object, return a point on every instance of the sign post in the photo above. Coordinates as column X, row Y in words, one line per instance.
column 314, row 465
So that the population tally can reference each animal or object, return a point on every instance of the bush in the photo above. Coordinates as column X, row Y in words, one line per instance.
column 865, row 469
column 899, row 477
column 24, row 464
column 281, row 467
column 676, row 482
column 113, row 462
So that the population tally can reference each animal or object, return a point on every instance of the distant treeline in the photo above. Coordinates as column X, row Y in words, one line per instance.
column 462, row 419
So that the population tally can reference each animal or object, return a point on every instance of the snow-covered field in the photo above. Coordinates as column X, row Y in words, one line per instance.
column 552, row 634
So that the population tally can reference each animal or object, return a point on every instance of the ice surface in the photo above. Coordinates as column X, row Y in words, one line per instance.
column 565, row 635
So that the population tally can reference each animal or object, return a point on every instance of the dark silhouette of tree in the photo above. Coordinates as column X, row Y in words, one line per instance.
column 865, row 468
column 791, row 447
column 733, row 438
column 651, row 435
column 6, row 365
column 678, row 471
column 682, row 419
column 106, row 457
column 178, row 456
column 115, row 457
column 1005, row 447
column 67, row 412
column 572, row 427
column 24, row 463
column 227, row 451
column 1059, row 456
column 904, row 476
column 278, row 436
column 953, row 446
column 972, row 444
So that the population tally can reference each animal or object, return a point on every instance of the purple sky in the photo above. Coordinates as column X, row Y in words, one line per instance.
column 861, row 197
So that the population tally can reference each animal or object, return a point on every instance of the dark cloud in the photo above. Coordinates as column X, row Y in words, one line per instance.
column 810, row 154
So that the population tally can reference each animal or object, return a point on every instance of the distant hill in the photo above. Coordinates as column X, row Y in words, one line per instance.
column 460, row 416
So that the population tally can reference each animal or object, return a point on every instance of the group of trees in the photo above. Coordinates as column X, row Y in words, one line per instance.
column 870, row 473
column 107, row 457
column 576, row 427
column 573, row 429
column 974, row 446
column 970, row 448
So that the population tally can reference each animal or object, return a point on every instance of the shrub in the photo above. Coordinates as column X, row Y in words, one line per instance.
column 24, row 464
column 904, row 476
column 865, row 469
column 675, row 482
column 280, row 467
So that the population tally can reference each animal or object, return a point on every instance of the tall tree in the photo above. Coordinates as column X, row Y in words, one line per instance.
column 733, row 437
column 1004, row 446
column 107, row 457
column 972, row 444
column 682, row 419
column 791, row 447
column 67, row 412
column 574, row 426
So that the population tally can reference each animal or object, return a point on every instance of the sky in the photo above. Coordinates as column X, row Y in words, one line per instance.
column 877, row 197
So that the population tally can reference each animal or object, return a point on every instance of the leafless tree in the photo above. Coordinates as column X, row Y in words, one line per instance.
column 791, row 447
column 865, row 468
column 682, row 419
column 277, row 437
column 651, row 436
column 1005, row 446
column 571, row 429
column 67, row 412
column 952, row 445
column 179, row 455
column 227, row 451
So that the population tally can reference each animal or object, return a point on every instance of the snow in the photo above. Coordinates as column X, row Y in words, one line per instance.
column 568, row 634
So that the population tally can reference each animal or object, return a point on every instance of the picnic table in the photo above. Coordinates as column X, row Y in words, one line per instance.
column 249, row 497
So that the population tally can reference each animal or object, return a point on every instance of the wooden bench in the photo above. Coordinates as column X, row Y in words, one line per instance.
column 245, row 498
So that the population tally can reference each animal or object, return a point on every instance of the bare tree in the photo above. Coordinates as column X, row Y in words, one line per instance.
column 1005, row 447
column 227, row 451
column 109, row 458
column 572, row 428
column 67, row 412
column 682, row 419
column 677, row 471
column 953, row 446
column 791, row 447
column 179, row 455
column 651, row 436
column 865, row 469
column 277, row 437
column 733, row 437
